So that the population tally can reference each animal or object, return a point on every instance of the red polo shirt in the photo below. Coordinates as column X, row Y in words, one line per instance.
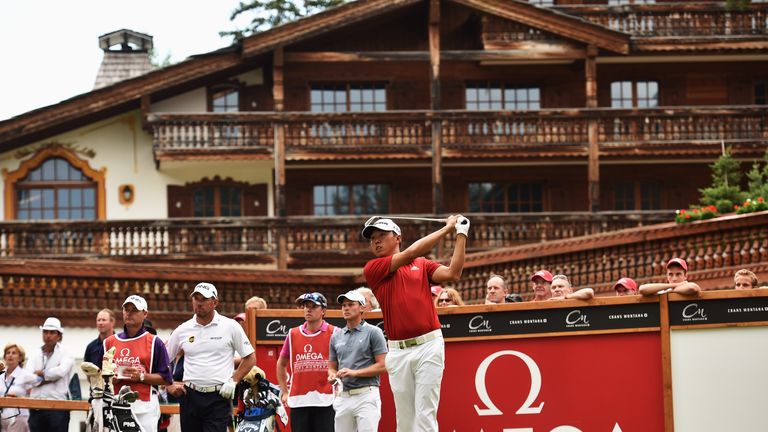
column 404, row 295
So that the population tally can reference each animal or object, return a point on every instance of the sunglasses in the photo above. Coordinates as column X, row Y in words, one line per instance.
column 444, row 300
column 313, row 297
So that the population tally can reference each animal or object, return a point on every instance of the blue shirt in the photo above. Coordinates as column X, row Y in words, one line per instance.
column 357, row 348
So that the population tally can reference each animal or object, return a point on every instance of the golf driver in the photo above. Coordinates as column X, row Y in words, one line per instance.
column 375, row 218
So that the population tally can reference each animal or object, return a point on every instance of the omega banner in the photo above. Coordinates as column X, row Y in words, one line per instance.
column 495, row 380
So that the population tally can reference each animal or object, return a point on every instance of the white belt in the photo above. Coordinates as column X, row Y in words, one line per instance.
column 357, row 391
column 418, row 340
column 203, row 389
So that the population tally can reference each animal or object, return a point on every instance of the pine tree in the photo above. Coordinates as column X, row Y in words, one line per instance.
column 725, row 191
column 271, row 13
column 758, row 179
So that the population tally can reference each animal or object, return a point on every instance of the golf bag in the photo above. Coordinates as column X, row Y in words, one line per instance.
column 111, row 414
column 262, row 404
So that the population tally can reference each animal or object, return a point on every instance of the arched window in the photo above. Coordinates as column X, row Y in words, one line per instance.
column 55, row 185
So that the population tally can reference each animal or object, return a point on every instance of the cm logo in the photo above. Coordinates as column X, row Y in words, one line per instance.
column 526, row 408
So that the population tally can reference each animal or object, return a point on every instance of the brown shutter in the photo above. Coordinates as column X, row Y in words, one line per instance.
column 255, row 200
column 179, row 201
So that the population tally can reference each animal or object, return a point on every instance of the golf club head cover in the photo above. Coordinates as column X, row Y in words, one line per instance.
column 107, row 364
column 227, row 390
column 254, row 376
column 462, row 226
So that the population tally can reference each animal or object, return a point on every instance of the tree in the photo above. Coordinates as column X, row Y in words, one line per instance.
column 725, row 191
column 271, row 13
column 758, row 179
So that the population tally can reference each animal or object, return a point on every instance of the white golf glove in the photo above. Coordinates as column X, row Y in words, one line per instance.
column 227, row 390
column 462, row 226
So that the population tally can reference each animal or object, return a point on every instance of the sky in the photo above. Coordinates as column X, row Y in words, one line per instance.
column 49, row 49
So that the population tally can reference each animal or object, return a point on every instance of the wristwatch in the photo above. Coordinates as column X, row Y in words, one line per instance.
column 141, row 377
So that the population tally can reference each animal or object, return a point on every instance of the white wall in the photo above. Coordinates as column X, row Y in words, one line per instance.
column 194, row 101
column 719, row 379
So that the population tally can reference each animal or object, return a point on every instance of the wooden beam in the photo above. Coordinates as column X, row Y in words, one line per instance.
column 593, row 166
column 666, row 364
column 278, row 92
column 590, row 72
column 531, row 50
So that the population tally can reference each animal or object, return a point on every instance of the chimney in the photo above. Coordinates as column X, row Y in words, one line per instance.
column 126, row 55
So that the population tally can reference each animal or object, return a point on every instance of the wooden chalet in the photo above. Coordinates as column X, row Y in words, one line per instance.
column 541, row 121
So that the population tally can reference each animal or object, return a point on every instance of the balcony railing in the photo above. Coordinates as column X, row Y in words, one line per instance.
column 665, row 20
column 309, row 240
column 365, row 134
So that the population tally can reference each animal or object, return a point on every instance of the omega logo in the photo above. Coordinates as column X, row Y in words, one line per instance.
column 125, row 352
column 275, row 328
column 692, row 312
column 533, row 393
column 307, row 348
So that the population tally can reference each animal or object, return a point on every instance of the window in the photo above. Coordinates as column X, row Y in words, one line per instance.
column 634, row 94
column 496, row 96
column 361, row 97
column 360, row 199
column 628, row 194
column 505, row 197
column 217, row 201
column 761, row 93
column 55, row 190
column 225, row 99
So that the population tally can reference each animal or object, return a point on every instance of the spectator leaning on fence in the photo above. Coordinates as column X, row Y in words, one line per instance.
column 449, row 297
column 17, row 383
column 625, row 286
column 542, row 285
column 562, row 290
column 745, row 279
column 677, row 280
column 496, row 290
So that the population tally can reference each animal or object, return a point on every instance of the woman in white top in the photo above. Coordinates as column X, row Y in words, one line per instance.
column 15, row 382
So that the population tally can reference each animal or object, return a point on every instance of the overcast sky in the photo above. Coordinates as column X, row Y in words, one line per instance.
column 49, row 48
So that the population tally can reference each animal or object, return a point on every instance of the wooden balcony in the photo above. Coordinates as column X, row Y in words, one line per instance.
column 310, row 241
column 679, row 20
column 408, row 134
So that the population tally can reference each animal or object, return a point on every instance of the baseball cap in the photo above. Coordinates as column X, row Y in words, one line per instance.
column 382, row 224
column 678, row 261
column 240, row 317
column 436, row 290
column 314, row 297
column 513, row 298
column 627, row 283
column 352, row 295
column 137, row 301
column 547, row 276
column 52, row 323
column 206, row 289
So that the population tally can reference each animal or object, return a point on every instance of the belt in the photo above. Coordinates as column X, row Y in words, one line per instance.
column 203, row 389
column 418, row 340
column 357, row 391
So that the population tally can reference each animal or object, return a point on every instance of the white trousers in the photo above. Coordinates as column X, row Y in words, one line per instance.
column 415, row 375
column 359, row 413
column 147, row 413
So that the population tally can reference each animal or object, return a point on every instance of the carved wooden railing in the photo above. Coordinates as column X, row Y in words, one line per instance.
column 677, row 19
column 74, row 291
column 714, row 249
column 363, row 134
column 255, row 239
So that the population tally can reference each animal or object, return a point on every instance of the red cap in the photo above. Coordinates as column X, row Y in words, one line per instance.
column 678, row 261
column 436, row 289
column 240, row 317
column 627, row 283
column 547, row 276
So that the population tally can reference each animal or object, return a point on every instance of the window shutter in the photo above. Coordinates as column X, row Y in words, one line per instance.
column 255, row 200
column 179, row 201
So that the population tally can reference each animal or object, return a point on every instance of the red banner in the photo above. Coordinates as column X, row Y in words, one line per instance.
column 589, row 383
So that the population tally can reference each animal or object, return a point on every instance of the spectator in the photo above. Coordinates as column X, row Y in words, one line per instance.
column 625, row 286
column 561, row 290
column 105, row 325
column 357, row 355
column 435, row 290
column 449, row 297
column 513, row 298
column 255, row 302
column 141, row 360
column 209, row 342
column 542, row 285
column 371, row 304
column 18, row 382
column 53, row 366
column 311, row 395
column 677, row 280
column 496, row 290
column 745, row 279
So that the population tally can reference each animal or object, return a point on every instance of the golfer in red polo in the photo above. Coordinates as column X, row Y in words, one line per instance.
column 401, row 281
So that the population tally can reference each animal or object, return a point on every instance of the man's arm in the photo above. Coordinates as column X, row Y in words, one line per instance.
column 282, row 378
column 376, row 369
column 422, row 246
column 653, row 288
column 687, row 288
column 62, row 370
column 453, row 271
column 582, row 294
column 333, row 367
column 245, row 366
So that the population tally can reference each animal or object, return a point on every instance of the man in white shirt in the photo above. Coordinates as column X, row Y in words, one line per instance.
column 53, row 367
column 209, row 342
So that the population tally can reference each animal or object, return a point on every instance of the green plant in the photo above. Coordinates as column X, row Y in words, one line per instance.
column 726, row 180
column 697, row 213
column 757, row 178
column 752, row 205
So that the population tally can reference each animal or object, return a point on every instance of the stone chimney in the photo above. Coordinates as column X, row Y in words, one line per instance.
column 126, row 55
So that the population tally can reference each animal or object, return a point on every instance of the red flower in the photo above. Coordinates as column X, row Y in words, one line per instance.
column 687, row 216
column 760, row 199
column 735, row 206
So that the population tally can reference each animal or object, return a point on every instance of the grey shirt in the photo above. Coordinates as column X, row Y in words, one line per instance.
column 357, row 348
